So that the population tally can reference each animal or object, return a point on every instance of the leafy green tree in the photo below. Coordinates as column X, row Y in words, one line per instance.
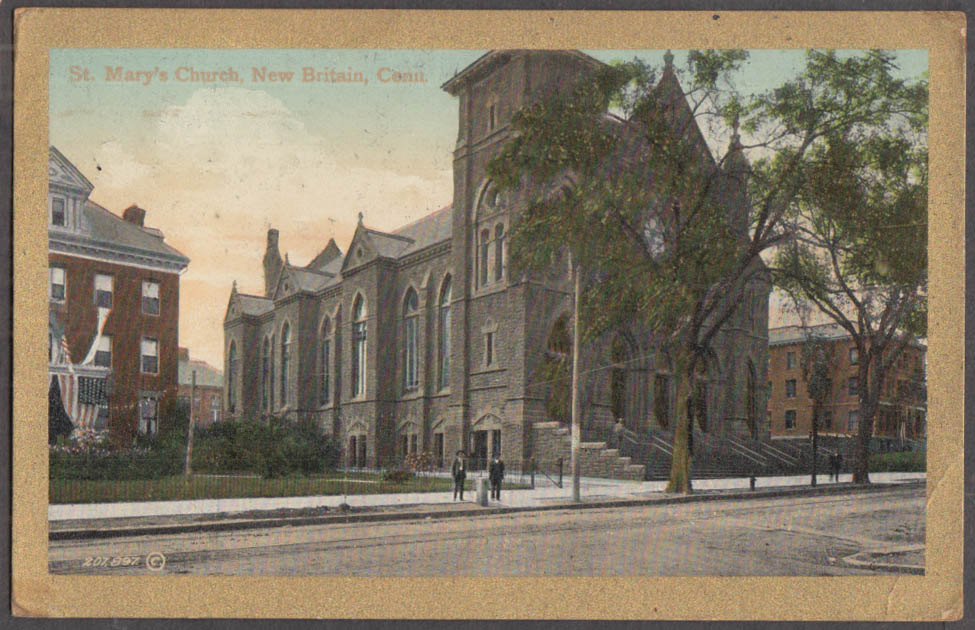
column 858, row 220
column 616, row 174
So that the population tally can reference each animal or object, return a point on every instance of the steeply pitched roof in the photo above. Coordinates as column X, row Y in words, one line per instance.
column 431, row 229
column 114, row 230
column 309, row 280
column 255, row 304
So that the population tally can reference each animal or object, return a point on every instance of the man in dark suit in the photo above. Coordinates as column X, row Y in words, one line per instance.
column 496, row 475
column 459, row 472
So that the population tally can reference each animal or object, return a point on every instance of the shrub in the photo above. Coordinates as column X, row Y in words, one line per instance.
column 274, row 449
column 397, row 475
column 902, row 461
column 419, row 462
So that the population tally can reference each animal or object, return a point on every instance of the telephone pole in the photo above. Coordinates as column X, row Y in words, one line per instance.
column 576, row 430
column 187, row 469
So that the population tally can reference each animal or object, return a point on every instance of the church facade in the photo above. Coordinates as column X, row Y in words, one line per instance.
column 421, row 340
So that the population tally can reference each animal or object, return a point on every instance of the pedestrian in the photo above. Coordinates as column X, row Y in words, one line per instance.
column 618, row 429
column 496, row 475
column 459, row 472
column 839, row 465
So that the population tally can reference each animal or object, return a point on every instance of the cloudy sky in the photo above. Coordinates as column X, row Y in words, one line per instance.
column 215, row 164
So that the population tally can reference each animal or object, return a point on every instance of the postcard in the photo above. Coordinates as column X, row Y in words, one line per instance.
column 447, row 314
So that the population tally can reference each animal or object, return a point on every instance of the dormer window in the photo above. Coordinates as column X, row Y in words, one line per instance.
column 58, row 215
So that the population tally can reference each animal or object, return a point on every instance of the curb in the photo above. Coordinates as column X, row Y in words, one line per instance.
column 302, row 521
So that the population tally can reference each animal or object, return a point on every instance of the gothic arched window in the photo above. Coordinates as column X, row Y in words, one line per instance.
column 444, row 335
column 285, row 361
column 411, row 378
column 358, row 347
column 325, row 367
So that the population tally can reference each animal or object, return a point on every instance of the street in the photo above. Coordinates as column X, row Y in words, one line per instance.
column 840, row 534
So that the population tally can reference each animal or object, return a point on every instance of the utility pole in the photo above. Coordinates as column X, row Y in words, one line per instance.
column 189, row 438
column 576, row 430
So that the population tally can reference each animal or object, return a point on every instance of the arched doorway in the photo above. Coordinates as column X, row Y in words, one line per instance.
column 627, row 384
column 554, row 374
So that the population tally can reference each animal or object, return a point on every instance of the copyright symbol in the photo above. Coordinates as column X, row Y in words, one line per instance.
column 155, row 561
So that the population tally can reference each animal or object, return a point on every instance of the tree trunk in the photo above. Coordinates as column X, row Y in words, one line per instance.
column 861, row 463
column 680, row 469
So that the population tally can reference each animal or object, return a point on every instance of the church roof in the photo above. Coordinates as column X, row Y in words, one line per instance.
column 431, row 229
column 255, row 304
column 309, row 279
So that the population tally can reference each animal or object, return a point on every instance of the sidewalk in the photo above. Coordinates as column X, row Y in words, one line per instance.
column 598, row 489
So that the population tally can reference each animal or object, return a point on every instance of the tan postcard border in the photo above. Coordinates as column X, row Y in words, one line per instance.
column 935, row 596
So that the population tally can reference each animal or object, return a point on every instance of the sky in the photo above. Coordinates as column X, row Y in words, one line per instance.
column 216, row 163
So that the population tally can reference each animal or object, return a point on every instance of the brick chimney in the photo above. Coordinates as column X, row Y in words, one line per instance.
column 135, row 214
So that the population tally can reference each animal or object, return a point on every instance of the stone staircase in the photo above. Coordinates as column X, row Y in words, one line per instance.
column 553, row 441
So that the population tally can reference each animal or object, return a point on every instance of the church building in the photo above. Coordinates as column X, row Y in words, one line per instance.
column 421, row 339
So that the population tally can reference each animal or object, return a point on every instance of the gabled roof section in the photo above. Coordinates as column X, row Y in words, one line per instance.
column 327, row 255
column 62, row 172
column 368, row 244
column 255, row 304
column 494, row 58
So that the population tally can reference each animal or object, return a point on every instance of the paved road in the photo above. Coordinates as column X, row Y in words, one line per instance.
column 784, row 536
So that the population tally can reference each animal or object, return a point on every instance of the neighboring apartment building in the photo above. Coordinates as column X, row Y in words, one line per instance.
column 903, row 405
column 421, row 339
column 114, row 309
column 208, row 398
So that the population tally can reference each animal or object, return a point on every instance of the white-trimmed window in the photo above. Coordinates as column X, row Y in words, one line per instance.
column 150, row 297
column 58, row 286
column 104, row 288
column 103, row 353
column 149, row 349
column 59, row 213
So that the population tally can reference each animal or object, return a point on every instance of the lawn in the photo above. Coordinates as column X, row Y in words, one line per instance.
column 217, row 487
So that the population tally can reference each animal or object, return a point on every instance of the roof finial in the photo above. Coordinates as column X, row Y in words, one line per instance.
column 668, row 60
column 360, row 218
column 234, row 288
column 286, row 261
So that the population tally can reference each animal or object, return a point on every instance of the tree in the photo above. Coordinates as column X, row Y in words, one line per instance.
column 668, row 235
column 858, row 251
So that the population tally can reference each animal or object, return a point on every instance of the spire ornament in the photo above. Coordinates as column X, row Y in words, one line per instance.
column 668, row 60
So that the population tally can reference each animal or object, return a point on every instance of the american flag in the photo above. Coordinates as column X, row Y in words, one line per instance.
column 81, row 396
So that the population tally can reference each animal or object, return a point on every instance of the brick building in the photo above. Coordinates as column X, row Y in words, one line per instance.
column 114, row 306
column 208, row 397
column 420, row 340
column 903, row 402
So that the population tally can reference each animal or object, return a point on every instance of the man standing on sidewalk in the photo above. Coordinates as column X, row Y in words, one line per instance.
column 459, row 473
column 496, row 475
